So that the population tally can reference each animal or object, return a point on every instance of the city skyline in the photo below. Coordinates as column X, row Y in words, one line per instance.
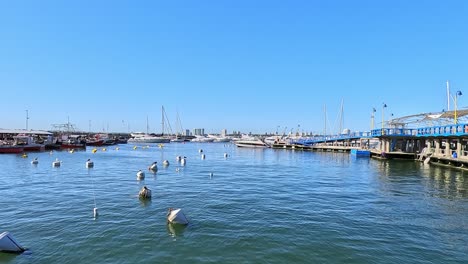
column 245, row 66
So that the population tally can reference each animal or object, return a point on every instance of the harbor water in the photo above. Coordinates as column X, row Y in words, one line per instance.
column 255, row 206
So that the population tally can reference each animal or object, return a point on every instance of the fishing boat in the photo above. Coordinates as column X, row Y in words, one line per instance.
column 11, row 149
column 73, row 142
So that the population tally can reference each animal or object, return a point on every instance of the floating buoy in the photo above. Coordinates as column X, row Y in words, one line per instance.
column 72, row 150
column 177, row 169
column 145, row 193
column 104, row 149
column 117, row 148
column 9, row 244
column 95, row 212
column 34, row 161
column 161, row 145
column 225, row 155
column 51, row 152
column 202, row 156
column 183, row 161
column 56, row 163
column 94, row 150
column 178, row 158
column 166, row 163
column 140, row 175
column 200, row 150
column 24, row 155
column 211, row 174
column 176, row 216
column 135, row 147
column 153, row 167
column 89, row 164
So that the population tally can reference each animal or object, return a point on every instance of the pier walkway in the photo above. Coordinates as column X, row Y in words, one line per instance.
column 446, row 144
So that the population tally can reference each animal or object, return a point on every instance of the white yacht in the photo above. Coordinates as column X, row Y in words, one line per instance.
column 251, row 143
column 140, row 137
column 202, row 139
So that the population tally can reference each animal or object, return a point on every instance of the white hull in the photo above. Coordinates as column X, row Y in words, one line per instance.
column 9, row 244
column 250, row 144
column 149, row 140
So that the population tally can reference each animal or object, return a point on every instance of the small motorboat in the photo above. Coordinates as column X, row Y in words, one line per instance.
column 176, row 216
column 9, row 244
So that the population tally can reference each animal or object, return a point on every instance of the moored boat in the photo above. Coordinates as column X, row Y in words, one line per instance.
column 252, row 143
column 11, row 149
column 140, row 137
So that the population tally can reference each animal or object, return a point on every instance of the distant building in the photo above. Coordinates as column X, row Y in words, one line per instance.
column 224, row 132
column 199, row 131
column 187, row 132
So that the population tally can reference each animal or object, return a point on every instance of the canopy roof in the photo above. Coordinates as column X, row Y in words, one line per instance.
column 430, row 119
column 24, row 131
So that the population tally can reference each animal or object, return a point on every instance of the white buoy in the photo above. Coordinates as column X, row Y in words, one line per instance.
column 145, row 193
column 178, row 158
column 202, row 156
column 34, row 161
column 154, row 166
column 140, row 175
column 200, row 150
column 211, row 174
column 56, row 163
column 183, row 161
column 225, row 155
column 95, row 212
column 9, row 244
column 176, row 216
column 89, row 164
column 166, row 163
column 177, row 169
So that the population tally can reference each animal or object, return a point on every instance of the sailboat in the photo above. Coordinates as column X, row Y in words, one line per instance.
column 141, row 137
column 179, row 137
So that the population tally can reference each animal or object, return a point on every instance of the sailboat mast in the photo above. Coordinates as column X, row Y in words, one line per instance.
column 341, row 118
column 325, row 121
column 448, row 96
column 147, row 126
column 162, row 121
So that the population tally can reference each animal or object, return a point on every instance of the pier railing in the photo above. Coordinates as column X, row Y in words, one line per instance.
column 330, row 138
column 434, row 131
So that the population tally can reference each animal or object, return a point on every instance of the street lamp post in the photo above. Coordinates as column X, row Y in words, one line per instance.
column 459, row 93
column 372, row 118
column 383, row 116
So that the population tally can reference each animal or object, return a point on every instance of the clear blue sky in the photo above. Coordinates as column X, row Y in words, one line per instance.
column 241, row 65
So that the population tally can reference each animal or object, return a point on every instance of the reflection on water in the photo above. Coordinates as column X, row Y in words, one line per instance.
column 271, row 206
column 176, row 230
column 397, row 175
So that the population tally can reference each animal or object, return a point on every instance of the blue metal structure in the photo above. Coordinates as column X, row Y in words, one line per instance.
column 433, row 131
